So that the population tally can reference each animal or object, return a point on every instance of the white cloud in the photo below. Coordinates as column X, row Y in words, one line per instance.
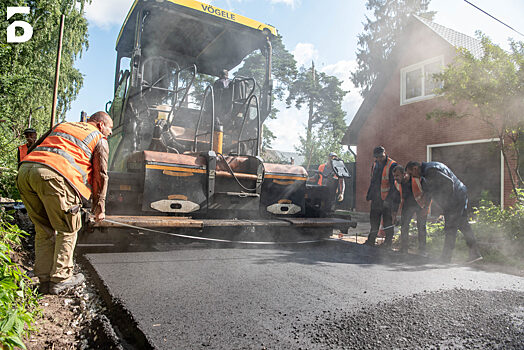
column 291, row 3
column 305, row 53
column 104, row 13
column 352, row 100
column 290, row 123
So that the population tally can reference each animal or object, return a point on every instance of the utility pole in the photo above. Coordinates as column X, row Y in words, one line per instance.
column 57, row 71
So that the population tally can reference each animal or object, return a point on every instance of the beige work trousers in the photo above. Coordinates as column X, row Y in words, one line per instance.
column 48, row 197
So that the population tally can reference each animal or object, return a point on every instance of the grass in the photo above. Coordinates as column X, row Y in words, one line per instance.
column 499, row 233
column 18, row 300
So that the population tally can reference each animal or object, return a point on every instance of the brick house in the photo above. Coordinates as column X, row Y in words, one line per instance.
column 394, row 115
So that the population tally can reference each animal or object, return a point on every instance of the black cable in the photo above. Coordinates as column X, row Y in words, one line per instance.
column 496, row 19
column 235, row 177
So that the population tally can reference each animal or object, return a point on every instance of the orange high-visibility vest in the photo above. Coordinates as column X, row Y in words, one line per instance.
column 22, row 150
column 68, row 150
column 416, row 188
column 321, row 168
column 384, row 183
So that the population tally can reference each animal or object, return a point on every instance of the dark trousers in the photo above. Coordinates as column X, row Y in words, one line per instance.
column 380, row 211
column 457, row 220
column 407, row 215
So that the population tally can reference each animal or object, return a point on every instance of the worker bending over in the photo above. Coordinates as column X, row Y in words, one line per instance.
column 451, row 195
column 67, row 164
column 413, row 200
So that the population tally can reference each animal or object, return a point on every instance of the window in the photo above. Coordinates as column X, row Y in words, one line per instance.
column 119, row 99
column 416, row 81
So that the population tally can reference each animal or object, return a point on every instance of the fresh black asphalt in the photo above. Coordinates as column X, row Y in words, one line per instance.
column 327, row 296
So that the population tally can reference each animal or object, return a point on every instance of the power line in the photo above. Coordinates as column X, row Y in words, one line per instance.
column 496, row 19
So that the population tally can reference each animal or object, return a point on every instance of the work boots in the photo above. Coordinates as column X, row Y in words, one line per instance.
column 75, row 280
column 388, row 241
column 445, row 257
column 43, row 287
column 449, row 245
column 371, row 240
column 474, row 255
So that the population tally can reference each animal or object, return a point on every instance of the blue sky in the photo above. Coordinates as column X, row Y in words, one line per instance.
column 323, row 30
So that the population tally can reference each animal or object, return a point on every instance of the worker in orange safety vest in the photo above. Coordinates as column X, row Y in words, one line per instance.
column 328, row 177
column 413, row 200
column 383, row 195
column 30, row 138
column 66, row 165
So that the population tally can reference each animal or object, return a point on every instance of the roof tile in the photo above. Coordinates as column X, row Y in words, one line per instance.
column 455, row 38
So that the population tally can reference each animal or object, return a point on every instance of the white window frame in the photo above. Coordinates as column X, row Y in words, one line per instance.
column 428, row 157
column 419, row 65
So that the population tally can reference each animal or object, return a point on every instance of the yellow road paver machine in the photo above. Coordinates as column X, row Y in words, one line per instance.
column 186, row 155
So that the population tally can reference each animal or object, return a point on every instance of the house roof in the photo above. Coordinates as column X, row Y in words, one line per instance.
column 351, row 135
column 451, row 36
column 455, row 38
column 285, row 156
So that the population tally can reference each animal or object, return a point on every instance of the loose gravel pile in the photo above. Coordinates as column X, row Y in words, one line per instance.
column 455, row 319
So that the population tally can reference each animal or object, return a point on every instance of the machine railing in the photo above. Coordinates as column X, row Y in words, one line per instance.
column 145, row 85
column 239, row 83
column 207, row 91
column 246, row 115
column 167, row 64
column 193, row 70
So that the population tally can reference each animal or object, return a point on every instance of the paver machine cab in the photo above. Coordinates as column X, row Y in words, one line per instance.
column 183, row 159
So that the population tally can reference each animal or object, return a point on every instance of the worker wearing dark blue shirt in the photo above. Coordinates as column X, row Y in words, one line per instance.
column 452, row 196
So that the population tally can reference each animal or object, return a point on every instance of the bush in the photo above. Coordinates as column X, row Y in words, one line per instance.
column 8, row 165
column 8, row 187
column 499, row 232
column 18, row 301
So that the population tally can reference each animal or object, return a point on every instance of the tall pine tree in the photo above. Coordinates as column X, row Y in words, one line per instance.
column 380, row 36
column 323, row 95
column 284, row 72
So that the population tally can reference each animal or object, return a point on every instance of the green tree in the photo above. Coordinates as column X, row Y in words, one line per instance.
column 493, row 86
column 380, row 35
column 201, row 82
column 284, row 72
column 267, row 137
column 323, row 95
column 322, row 143
column 27, row 72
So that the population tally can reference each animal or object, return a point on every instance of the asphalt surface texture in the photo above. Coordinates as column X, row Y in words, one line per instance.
column 330, row 295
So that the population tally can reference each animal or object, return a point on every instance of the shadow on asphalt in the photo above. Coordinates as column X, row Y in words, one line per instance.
column 340, row 252
column 317, row 253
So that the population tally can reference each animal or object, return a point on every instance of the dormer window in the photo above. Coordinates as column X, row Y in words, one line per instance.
column 416, row 81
